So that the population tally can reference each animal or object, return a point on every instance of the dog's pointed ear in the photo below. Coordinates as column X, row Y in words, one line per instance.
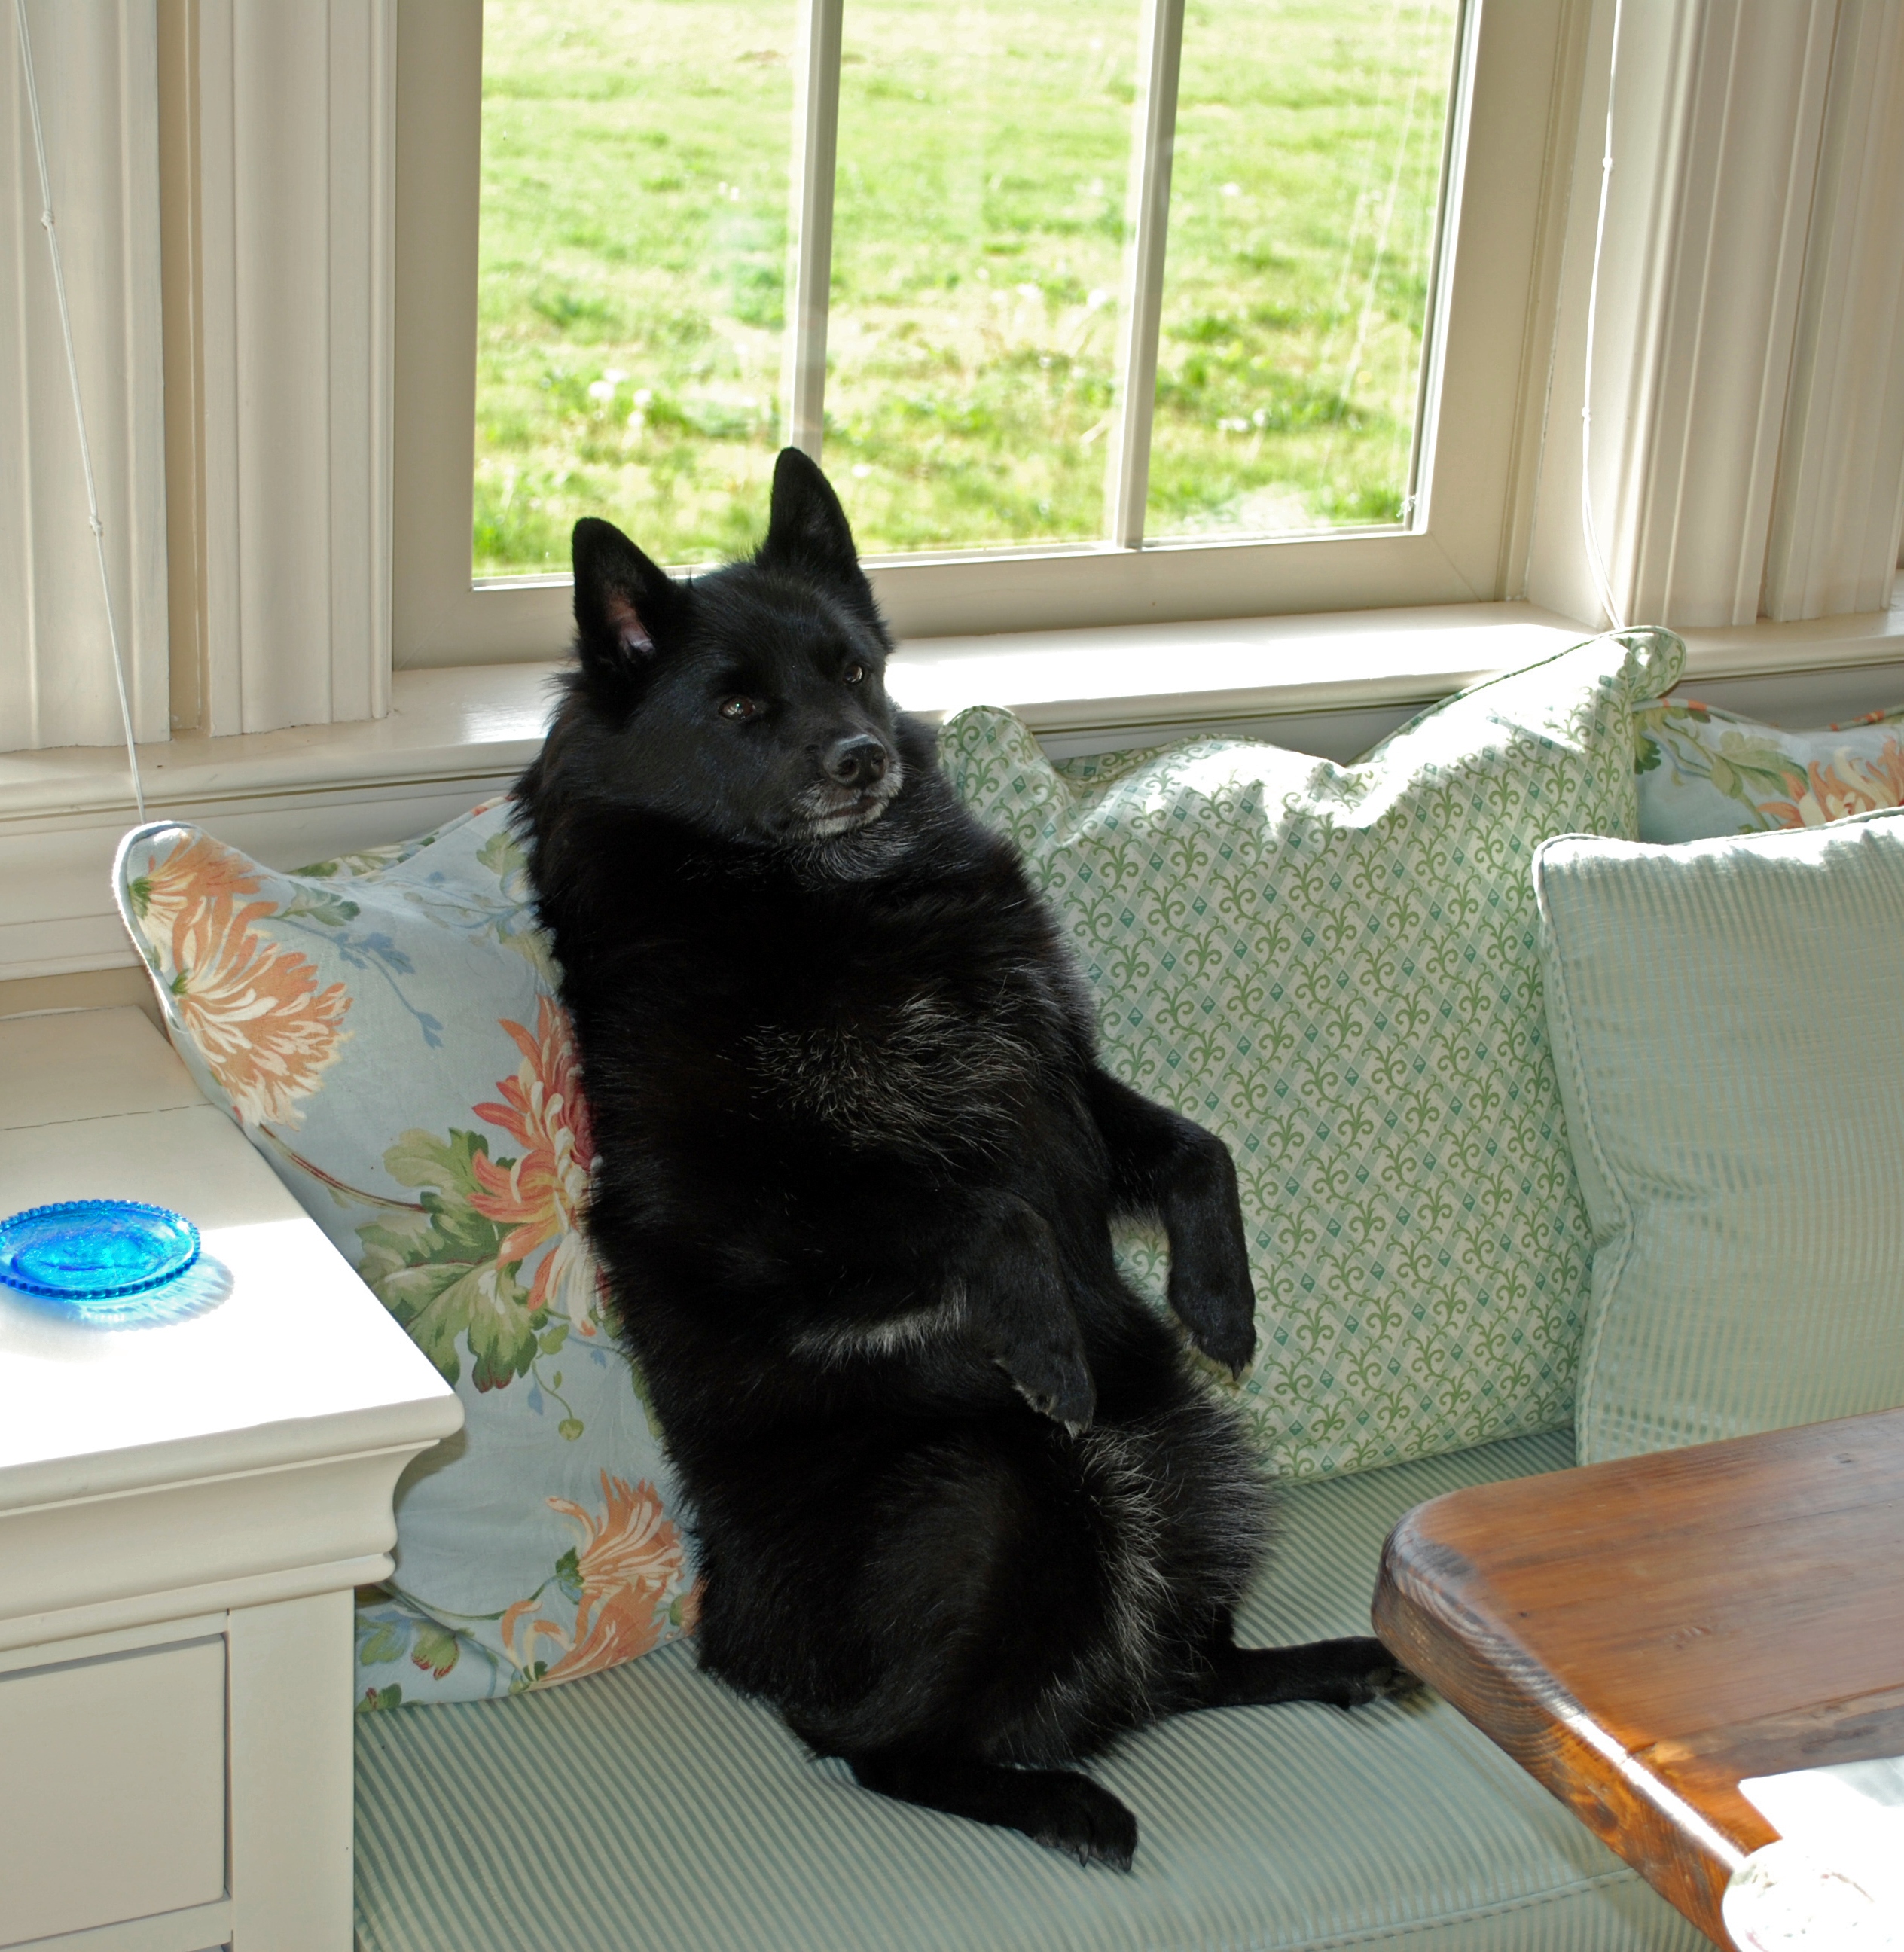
column 807, row 529
column 627, row 607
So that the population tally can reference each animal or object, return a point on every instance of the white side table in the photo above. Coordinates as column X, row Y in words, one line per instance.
column 184, row 1509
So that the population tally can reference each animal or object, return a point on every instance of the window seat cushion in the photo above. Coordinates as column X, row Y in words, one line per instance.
column 648, row 1806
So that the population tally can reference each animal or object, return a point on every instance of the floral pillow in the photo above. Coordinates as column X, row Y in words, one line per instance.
column 384, row 1029
column 1336, row 969
column 1705, row 773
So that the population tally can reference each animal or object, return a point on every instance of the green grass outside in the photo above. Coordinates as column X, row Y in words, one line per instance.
column 634, row 254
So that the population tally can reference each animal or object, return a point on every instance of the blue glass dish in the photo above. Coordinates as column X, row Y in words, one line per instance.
column 89, row 1251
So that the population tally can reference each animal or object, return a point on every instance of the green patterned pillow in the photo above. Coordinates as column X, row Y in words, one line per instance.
column 1336, row 968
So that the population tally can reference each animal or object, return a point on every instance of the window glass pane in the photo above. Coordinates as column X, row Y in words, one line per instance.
column 978, row 250
column 1304, row 196
column 632, row 270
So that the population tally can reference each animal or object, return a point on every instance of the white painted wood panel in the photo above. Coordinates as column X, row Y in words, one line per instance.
column 1719, row 114
column 1748, row 389
column 291, row 1763
column 97, row 66
column 56, row 910
column 199, row 1928
column 1699, row 496
column 112, row 1800
column 117, row 1068
column 184, row 1510
column 1838, row 510
column 296, row 155
column 459, row 736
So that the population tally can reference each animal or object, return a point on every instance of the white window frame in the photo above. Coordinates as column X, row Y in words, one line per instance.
column 1504, row 175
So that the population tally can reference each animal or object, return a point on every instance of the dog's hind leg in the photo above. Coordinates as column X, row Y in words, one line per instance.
column 1346, row 1674
column 1062, row 1809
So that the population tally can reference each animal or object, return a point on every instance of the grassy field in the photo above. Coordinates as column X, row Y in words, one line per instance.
column 633, row 261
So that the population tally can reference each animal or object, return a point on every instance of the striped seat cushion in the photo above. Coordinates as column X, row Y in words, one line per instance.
column 647, row 1807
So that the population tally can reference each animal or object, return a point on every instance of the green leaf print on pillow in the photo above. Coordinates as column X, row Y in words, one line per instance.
column 442, row 1272
column 1705, row 772
column 1336, row 970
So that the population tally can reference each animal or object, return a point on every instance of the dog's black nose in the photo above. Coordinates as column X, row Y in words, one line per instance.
column 858, row 761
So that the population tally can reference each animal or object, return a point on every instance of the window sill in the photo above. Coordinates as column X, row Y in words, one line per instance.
column 476, row 721
column 1330, row 683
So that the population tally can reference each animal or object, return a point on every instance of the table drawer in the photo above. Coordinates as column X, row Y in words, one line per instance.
column 112, row 1787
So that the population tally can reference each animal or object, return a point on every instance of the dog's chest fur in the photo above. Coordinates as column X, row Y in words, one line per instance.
column 931, row 1070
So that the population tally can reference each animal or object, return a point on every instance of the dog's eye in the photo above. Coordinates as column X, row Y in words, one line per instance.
column 853, row 673
column 740, row 708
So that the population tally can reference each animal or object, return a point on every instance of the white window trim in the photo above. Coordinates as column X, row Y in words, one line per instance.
column 1727, row 111
column 1839, row 487
column 224, row 177
column 290, row 283
column 1748, row 395
column 281, row 593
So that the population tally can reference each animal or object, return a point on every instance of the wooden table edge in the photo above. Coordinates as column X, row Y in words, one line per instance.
column 1485, row 1673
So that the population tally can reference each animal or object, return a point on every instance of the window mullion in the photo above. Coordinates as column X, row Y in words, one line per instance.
column 1148, row 222
column 816, row 132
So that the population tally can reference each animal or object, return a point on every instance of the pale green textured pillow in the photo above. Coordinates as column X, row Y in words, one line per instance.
column 1727, row 1017
column 1335, row 969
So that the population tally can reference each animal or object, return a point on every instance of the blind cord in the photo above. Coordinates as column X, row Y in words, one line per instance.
column 79, row 409
column 1595, row 563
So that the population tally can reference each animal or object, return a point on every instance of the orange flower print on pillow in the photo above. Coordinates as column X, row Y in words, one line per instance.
column 626, row 1573
column 253, row 1010
column 384, row 1027
column 1852, row 783
column 540, row 1197
column 201, row 873
column 1704, row 772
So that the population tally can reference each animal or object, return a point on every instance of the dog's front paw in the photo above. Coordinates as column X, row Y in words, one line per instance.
column 1054, row 1378
column 1221, row 1321
column 1020, row 1311
column 1210, row 1290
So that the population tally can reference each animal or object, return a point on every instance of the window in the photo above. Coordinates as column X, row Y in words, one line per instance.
column 295, row 457
column 1248, row 361
column 1002, row 308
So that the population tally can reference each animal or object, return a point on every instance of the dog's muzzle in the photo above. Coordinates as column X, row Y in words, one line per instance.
column 863, row 778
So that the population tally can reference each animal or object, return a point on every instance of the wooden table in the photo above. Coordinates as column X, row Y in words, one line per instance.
column 1639, row 1635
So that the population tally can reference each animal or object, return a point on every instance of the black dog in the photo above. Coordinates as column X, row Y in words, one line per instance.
column 965, row 1515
